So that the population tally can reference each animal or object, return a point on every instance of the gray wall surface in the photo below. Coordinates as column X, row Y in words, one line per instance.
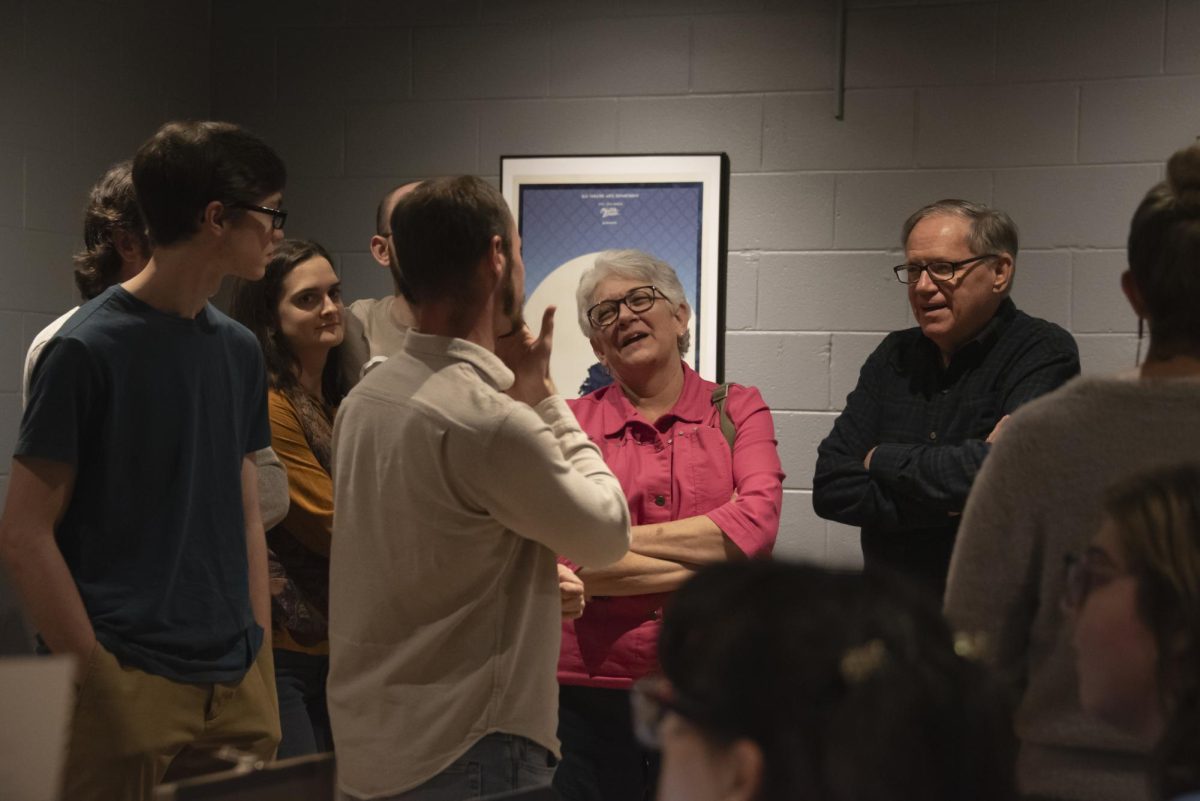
column 1059, row 111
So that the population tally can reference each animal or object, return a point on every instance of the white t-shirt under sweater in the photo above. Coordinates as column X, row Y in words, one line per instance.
column 445, row 616
column 1037, row 498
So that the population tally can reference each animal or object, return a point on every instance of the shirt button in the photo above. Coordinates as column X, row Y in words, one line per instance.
column 933, row 435
column 660, row 500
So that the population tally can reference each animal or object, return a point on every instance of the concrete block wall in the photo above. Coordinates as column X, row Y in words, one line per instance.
column 1060, row 111
column 82, row 84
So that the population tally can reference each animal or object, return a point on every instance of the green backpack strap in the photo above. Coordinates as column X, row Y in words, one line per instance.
column 720, row 394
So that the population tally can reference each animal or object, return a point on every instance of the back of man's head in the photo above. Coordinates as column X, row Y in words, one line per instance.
column 441, row 231
column 187, row 165
column 112, row 211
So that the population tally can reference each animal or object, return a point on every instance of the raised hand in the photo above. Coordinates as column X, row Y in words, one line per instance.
column 529, row 359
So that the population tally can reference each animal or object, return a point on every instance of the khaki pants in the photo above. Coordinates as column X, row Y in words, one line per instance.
column 129, row 725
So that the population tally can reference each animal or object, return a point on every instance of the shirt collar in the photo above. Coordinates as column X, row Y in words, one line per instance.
column 487, row 364
column 695, row 399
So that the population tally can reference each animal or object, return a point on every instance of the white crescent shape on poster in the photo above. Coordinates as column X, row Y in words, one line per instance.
column 572, row 354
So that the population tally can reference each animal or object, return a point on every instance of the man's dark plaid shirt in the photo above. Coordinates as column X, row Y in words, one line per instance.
column 928, row 425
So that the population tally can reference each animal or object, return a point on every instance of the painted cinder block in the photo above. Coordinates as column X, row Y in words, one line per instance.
column 363, row 277
column 245, row 51
column 763, row 52
column 1107, row 354
column 872, row 206
column 299, row 13
column 781, row 212
column 1183, row 29
column 801, row 133
column 847, row 354
column 1040, row 41
column 830, row 292
column 843, row 546
column 433, row 138
column 1097, row 303
column 12, row 188
column 310, row 138
column 730, row 124
column 1115, row 118
column 12, row 354
column 801, row 532
column 344, row 65
column 481, row 61
column 545, row 127
column 619, row 57
column 791, row 370
column 919, row 46
column 799, row 434
column 40, row 274
column 741, row 292
column 1042, row 285
column 1073, row 206
column 411, row 12
column 338, row 212
column 983, row 126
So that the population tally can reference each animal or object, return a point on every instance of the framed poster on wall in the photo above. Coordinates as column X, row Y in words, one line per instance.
column 570, row 208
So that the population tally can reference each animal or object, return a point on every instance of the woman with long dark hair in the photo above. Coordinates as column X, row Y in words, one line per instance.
column 295, row 311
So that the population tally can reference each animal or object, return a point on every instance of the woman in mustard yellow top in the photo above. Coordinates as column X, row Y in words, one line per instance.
column 296, row 313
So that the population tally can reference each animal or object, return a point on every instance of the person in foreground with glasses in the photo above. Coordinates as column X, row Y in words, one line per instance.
column 790, row 681
column 703, row 485
column 132, row 529
column 1134, row 595
column 931, row 400
column 1038, row 497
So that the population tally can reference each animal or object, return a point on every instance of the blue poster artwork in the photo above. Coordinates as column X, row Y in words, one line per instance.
column 563, row 227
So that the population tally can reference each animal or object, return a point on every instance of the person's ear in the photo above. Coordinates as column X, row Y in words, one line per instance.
column 683, row 315
column 214, row 217
column 741, row 771
column 1133, row 294
column 379, row 250
column 1003, row 273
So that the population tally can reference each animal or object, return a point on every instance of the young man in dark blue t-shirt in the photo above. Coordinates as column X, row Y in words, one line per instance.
column 131, row 528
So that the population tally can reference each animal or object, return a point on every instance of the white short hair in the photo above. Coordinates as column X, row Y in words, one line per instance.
column 639, row 266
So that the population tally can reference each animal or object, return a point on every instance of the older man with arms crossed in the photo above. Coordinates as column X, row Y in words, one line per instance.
column 458, row 476
column 930, row 400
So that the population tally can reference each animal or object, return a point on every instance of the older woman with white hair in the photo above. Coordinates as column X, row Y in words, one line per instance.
column 703, row 482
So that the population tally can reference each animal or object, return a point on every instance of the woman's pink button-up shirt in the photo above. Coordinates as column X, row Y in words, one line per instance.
column 680, row 467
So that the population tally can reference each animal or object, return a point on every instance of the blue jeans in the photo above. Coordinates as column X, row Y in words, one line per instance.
column 303, row 716
column 498, row 763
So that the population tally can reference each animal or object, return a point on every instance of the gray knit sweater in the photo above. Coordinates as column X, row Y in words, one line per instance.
column 1036, row 499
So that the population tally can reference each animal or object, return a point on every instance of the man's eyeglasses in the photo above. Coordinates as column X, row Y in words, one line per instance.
column 1086, row 572
column 278, row 216
column 938, row 270
column 639, row 299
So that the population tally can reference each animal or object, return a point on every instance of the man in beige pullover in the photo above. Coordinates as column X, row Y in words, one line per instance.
column 459, row 474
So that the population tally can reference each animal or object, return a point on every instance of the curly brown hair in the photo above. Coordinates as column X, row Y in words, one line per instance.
column 112, row 207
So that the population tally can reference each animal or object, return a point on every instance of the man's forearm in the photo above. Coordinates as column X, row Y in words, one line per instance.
column 49, row 594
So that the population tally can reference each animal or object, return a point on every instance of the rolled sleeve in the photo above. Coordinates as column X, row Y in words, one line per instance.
column 751, row 519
